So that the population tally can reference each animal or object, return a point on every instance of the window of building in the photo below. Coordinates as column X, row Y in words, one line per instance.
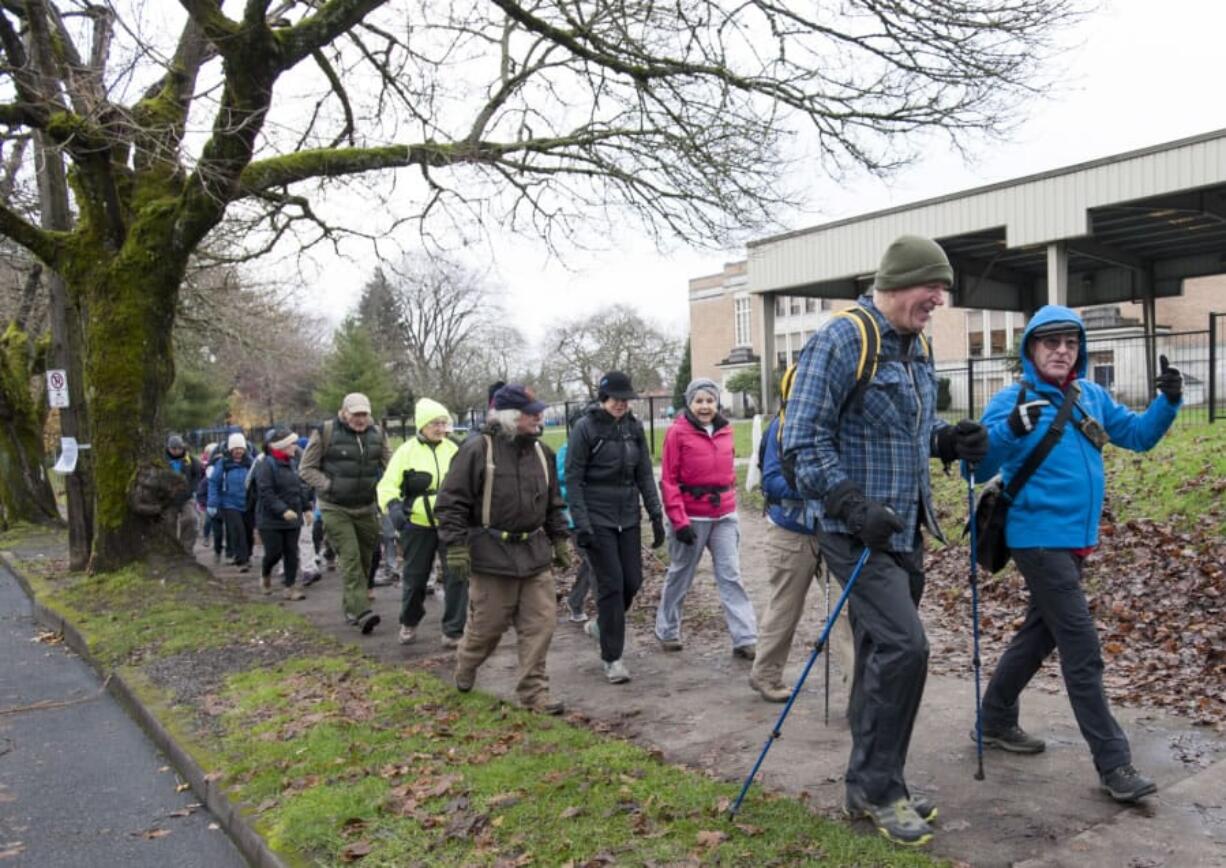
column 741, row 321
column 974, row 333
column 810, row 305
column 794, row 304
column 781, row 305
column 781, row 360
column 999, row 345
column 1102, row 368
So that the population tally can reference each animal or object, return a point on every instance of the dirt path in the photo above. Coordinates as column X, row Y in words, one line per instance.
column 696, row 708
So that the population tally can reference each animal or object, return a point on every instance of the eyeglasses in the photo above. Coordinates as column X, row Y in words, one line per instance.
column 1051, row 343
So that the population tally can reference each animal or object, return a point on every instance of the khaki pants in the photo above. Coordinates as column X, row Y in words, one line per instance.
column 498, row 602
column 795, row 560
column 353, row 537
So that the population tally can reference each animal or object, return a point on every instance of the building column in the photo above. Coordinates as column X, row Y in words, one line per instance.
column 1057, row 273
column 766, row 350
column 1149, row 317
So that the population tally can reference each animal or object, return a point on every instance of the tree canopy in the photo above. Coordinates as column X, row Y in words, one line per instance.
column 444, row 119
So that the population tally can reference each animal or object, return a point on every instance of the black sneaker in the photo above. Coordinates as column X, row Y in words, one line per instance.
column 1013, row 739
column 365, row 622
column 1126, row 784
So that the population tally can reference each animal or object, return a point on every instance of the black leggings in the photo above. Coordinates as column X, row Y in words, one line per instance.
column 280, row 544
column 617, row 566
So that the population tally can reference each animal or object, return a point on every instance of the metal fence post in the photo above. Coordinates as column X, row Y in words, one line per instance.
column 651, row 424
column 1213, row 367
column 970, row 387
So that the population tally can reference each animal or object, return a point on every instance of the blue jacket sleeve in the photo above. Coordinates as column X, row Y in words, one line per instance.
column 1002, row 442
column 774, row 485
column 214, row 500
column 1139, row 432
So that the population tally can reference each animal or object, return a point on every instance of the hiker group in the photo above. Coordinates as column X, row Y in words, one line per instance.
column 846, row 476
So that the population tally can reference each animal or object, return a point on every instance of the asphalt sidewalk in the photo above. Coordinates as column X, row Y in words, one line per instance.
column 80, row 784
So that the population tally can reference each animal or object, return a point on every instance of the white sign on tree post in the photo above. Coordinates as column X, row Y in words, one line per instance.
column 57, row 388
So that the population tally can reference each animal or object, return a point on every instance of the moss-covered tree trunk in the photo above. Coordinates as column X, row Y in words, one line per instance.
column 129, row 368
column 25, row 490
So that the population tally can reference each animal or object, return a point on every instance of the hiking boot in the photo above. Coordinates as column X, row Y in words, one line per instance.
column 383, row 579
column 770, row 692
column 310, row 577
column 897, row 822
column 575, row 616
column 671, row 644
column 294, row 593
column 1013, row 739
column 855, row 805
column 545, row 705
column 745, row 652
column 464, row 681
column 452, row 641
column 266, row 584
column 616, row 672
column 244, row 567
column 366, row 622
column 592, row 628
column 1126, row 784
column 407, row 635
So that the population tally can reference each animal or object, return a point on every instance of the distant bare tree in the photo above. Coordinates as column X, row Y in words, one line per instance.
column 614, row 338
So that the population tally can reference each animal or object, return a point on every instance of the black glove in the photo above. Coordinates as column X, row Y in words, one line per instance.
column 415, row 482
column 1170, row 381
column 685, row 535
column 657, row 531
column 583, row 539
column 395, row 511
column 967, row 440
column 1025, row 417
column 874, row 523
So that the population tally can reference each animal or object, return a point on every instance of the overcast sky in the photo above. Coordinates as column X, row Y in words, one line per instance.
column 1145, row 73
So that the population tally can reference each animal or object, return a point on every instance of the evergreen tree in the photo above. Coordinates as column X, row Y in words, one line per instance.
column 378, row 315
column 354, row 366
column 196, row 400
column 684, row 375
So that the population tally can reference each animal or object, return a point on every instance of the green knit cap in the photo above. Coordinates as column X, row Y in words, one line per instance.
column 913, row 260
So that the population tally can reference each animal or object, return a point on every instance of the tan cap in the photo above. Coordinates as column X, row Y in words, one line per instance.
column 355, row 402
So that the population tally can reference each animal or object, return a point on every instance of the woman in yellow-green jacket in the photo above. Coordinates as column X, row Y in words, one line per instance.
column 406, row 493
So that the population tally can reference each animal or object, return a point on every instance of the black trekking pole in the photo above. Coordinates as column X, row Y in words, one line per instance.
column 817, row 649
column 970, row 502
column 827, row 714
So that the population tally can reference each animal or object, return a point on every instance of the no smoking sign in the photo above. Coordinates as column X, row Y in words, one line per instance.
column 57, row 388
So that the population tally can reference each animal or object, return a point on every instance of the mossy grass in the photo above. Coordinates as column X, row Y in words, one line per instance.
column 331, row 754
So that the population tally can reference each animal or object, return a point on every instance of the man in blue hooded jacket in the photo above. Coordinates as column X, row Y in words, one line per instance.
column 1052, row 526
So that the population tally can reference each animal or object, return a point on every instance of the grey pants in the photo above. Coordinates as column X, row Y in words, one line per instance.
column 723, row 538
column 891, row 662
column 1058, row 617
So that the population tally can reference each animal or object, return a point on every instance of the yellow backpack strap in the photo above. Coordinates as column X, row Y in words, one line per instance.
column 870, row 346
column 487, row 494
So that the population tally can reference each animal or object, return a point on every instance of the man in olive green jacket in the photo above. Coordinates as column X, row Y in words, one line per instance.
column 501, row 516
column 343, row 463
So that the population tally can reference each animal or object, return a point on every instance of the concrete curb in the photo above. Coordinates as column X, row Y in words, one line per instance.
column 253, row 847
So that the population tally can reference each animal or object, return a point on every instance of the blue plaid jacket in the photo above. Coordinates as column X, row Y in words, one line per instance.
column 882, row 441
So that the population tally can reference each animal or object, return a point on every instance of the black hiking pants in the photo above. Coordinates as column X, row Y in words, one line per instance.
column 238, row 534
column 1058, row 617
column 420, row 546
column 617, row 566
column 278, row 545
column 891, row 662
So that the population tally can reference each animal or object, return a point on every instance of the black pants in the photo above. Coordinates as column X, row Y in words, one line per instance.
column 419, row 547
column 318, row 543
column 891, row 662
column 215, row 528
column 617, row 565
column 280, row 544
column 1058, row 617
column 238, row 534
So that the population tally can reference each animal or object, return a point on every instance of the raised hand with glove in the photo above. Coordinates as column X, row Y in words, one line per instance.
column 1169, row 382
column 1026, row 416
column 968, row 441
column 657, row 531
column 459, row 563
column 874, row 523
column 415, row 483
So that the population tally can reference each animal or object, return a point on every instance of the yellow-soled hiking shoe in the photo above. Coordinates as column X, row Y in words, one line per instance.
column 897, row 822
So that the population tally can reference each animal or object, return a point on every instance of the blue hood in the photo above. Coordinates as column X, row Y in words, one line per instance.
column 1050, row 313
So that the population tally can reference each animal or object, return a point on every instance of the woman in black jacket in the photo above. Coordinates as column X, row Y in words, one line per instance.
column 283, row 498
column 608, row 468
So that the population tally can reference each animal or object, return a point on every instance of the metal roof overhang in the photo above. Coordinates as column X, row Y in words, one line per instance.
column 998, row 237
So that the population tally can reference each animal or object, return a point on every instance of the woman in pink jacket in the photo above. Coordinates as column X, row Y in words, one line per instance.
column 699, row 486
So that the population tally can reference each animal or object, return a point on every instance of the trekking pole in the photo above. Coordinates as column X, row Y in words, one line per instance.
column 817, row 649
column 827, row 715
column 970, row 503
